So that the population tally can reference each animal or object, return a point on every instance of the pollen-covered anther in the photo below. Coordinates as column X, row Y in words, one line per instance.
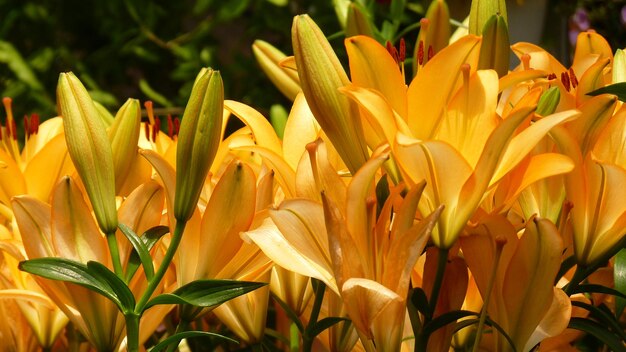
column 565, row 81
column 420, row 52
column 572, row 78
column 402, row 50
column 551, row 76
column 170, row 126
column 156, row 128
column 392, row 51
column 431, row 52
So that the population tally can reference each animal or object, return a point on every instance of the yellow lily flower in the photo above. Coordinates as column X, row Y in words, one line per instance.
column 44, row 318
column 269, row 58
column 368, row 266
column 66, row 229
column 520, row 273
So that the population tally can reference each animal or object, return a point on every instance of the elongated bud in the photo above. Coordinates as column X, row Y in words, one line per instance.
column 358, row 22
column 481, row 12
column 619, row 67
column 321, row 74
column 439, row 33
column 124, row 135
column 548, row 102
column 495, row 48
column 198, row 140
column 269, row 58
column 89, row 148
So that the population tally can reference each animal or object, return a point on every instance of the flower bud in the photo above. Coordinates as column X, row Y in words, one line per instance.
column 89, row 148
column 495, row 48
column 358, row 21
column 198, row 140
column 619, row 67
column 482, row 10
column 548, row 102
column 269, row 58
column 321, row 74
column 124, row 135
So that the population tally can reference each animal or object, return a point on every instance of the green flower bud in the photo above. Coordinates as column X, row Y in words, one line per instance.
column 124, row 134
column 198, row 140
column 548, row 102
column 482, row 10
column 89, row 148
column 358, row 21
column 619, row 67
column 495, row 48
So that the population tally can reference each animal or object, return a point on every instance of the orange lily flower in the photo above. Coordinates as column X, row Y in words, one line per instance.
column 520, row 273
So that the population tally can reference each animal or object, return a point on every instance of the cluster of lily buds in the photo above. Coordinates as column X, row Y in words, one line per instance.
column 468, row 207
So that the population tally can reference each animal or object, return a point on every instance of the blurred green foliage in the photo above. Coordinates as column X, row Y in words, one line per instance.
column 140, row 48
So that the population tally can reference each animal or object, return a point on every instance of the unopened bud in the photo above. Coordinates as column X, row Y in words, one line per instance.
column 495, row 48
column 124, row 135
column 269, row 58
column 549, row 101
column 89, row 148
column 198, row 140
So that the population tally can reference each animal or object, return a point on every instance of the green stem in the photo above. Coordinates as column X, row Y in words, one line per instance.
column 492, row 279
column 181, row 327
column 442, row 260
column 167, row 259
column 307, row 339
column 132, row 331
column 579, row 275
column 115, row 254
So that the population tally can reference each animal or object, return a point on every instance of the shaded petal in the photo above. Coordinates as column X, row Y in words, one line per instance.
column 301, row 129
column 263, row 131
column 425, row 104
column 554, row 321
column 371, row 66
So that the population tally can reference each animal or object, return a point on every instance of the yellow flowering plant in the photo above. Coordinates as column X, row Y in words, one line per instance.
column 469, row 205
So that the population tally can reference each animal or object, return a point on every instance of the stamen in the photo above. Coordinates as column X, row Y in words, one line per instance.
column 26, row 127
column 146, row 126
column 156, row 128
column 34, row 123
column 526, row 61
column 176, row 126
column 420, row 53
column 402, row 51
column 551, row 76
column 13, row 130
column 170, row 126
column 431, row 52
column 565, row 81
column 572, row 77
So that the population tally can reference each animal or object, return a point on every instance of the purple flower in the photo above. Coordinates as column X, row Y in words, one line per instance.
column 581, row 20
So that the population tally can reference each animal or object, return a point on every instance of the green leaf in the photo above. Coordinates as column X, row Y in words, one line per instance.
column 420, row 301
column 604, row 317
column 597, row 330
column 619, row 275
column 10, row 56
column 141, row 249
column 152, row 94
column 149, row 238
column 591, row 288
column 175, row 339
column 61, row 269
column 445, row 319
column 124, row 294
column 206, row 293
column 618, row 89
column 495, row 325
column 324, row 324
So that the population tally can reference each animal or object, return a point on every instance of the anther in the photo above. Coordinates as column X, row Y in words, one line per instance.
column 176, row 126
column 170, row 126
column 572, row 78
column 156, row 128
column 402, row 51
column 565, row 80
column 26, row 127
column 420, row 52
column 431, row 52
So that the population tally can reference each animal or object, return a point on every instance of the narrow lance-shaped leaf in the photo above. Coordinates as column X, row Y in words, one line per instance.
column 206, row 293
